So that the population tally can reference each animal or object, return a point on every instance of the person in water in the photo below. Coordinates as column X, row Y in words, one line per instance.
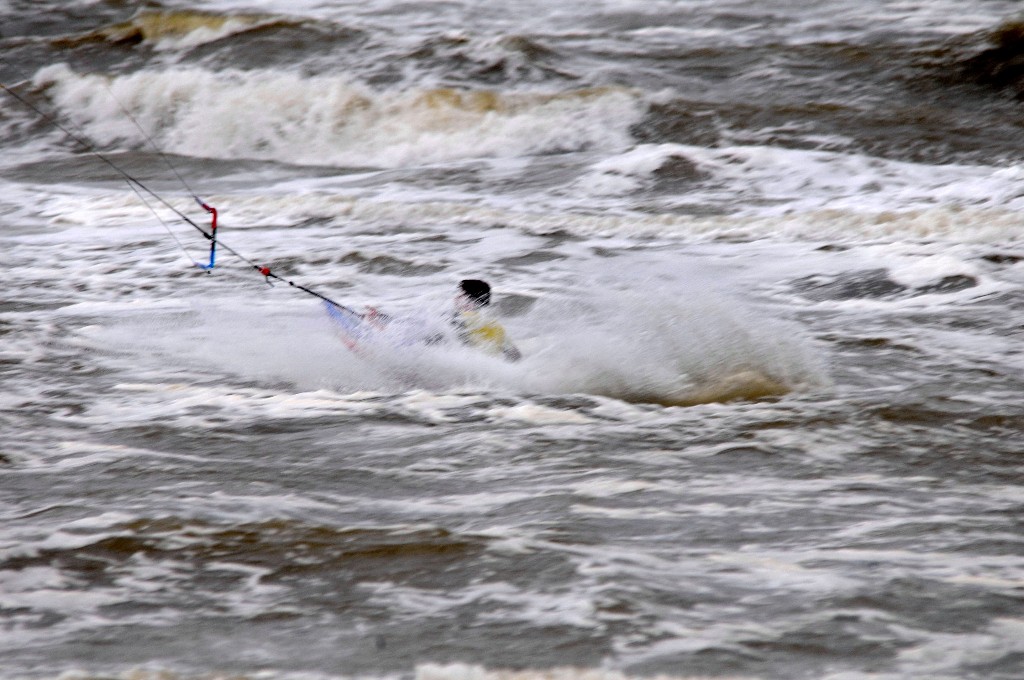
column 474, row 327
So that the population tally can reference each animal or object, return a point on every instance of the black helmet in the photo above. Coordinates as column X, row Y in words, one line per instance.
column 476, row 290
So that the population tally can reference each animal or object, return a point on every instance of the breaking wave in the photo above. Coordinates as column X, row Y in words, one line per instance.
column 331, row 120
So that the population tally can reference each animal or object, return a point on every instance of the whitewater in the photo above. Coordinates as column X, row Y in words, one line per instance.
column 765, row 264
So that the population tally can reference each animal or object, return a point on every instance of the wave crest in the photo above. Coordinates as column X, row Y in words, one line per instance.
column 171, row 29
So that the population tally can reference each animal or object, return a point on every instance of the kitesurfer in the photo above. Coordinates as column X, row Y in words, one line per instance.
column 474, row 327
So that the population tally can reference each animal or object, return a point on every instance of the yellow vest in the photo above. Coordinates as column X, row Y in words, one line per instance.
column 477, row 330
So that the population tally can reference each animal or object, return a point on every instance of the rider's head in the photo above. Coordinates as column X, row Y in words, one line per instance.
column 475, row 291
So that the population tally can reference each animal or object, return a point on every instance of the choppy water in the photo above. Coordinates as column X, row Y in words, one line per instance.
column 765, row 262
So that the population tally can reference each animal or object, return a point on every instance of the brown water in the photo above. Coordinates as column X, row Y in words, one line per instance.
column 764, row 265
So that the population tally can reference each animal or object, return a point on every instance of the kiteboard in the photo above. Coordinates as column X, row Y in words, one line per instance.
column 354, row 329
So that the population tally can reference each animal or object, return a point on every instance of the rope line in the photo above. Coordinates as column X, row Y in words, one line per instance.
column 152, row 143
column 139, row 188
column 167, row 227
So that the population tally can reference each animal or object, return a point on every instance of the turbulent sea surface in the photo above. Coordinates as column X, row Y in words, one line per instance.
column 764, row 261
